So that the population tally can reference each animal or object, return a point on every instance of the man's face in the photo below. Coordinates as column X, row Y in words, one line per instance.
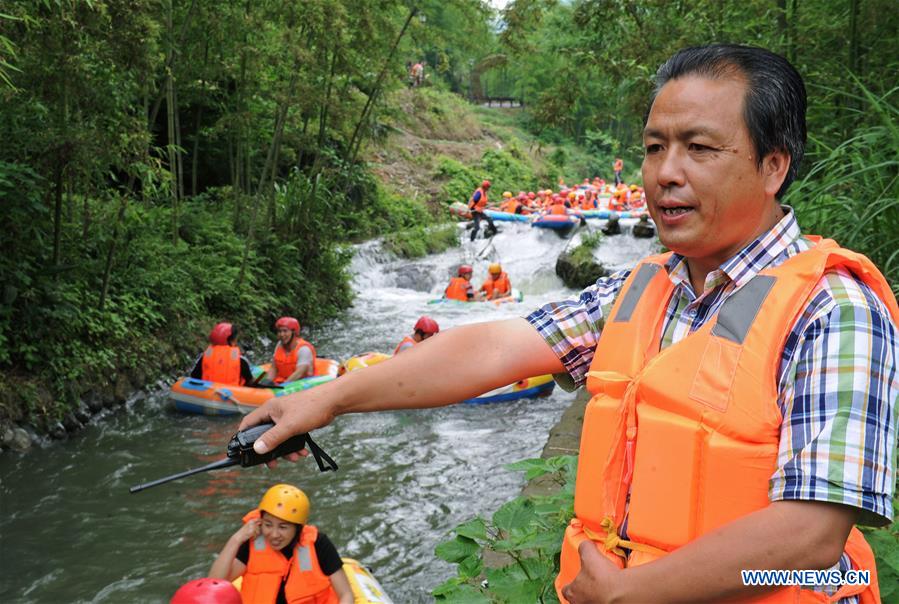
column 702, row 184
column 284, row 335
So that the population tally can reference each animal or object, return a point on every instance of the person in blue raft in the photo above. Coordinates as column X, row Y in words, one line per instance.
column 744, row 384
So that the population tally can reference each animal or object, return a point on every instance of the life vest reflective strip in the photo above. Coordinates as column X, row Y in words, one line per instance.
column 405, row 343
column 221, row 364
column 458, row 289
column 267, row 569
column 286, row 361
column 480, row 204
column 501, row 285
column 707, row 413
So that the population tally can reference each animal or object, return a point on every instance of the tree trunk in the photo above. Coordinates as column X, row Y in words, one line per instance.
column 179, row 156
column 110, row 253
column 377, row 87
column 57, row 210
column 195, row 153
column 170, row 122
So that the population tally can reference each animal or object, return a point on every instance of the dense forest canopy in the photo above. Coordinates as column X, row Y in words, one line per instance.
column 176, row 160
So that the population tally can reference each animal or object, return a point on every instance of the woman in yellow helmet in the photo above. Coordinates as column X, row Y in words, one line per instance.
column 281, row 558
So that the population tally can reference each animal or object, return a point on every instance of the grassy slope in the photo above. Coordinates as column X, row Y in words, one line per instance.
column 437, row 147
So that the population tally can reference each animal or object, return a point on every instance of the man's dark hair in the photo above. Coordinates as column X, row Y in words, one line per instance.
column 775, row 102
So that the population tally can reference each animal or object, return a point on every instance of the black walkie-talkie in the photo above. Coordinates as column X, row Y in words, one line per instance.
column 241, row 453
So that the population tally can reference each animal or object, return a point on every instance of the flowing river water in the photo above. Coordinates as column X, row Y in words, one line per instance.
column 71, row 532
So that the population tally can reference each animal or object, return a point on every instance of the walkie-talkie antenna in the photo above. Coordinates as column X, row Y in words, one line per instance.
column 222, row 463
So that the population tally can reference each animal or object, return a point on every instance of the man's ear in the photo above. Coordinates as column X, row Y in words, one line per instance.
column 774, row 168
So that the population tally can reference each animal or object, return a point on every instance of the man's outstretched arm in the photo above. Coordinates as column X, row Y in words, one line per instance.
column 452, row 366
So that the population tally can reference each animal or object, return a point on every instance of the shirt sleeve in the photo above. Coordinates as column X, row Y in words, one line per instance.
column 328, row 558
column 572, row 327
column 243, row 552
column 838, row 396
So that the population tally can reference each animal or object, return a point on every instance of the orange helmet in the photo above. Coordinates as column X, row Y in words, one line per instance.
column 485, row 184
column 220, row 334
column 288, row 323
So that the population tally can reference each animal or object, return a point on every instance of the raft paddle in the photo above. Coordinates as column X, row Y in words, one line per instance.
column 240, row 452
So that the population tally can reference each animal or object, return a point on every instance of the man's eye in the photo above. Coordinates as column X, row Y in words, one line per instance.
column 653, row 148
column 698, row 147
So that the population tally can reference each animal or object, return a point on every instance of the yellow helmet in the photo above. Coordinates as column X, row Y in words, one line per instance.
column 287, row 503
column 495, row 268
column 507, row 194
column 572, row 195
column 633, row 187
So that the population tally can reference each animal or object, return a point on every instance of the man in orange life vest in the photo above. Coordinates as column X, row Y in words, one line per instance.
column 744, row 384
column 222, row 362
column 424, row 328
column 460, row 287
column 282, row 558
column 294, row 357
column 497, row 284
column 476, row 205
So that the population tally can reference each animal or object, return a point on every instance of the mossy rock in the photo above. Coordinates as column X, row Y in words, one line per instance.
column 578, row 269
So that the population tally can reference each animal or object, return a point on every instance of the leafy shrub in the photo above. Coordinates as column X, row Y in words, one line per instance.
column 528, row 531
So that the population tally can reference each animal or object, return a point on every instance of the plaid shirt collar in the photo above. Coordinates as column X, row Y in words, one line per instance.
column 747, row 263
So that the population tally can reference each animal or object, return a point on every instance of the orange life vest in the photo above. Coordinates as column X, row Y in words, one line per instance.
column 686, row 439
column 501, row 285
column 481, row 204
column 558, row 208
column 458, row 289
column 221, row 364
column 619, row 165
column 405, row 343
column 509, row 206
column 267, row 568
column 286, row 361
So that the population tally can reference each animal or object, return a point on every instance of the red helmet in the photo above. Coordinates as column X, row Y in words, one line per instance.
column 465, row 269
column 206, row 591
column 220, row 334
column 427, row 325
column 485, row 184
column 289, row 323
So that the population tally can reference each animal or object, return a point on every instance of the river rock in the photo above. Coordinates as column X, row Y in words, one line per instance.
column 123, row 388
column 20, row 440
column 94, row 402
column 6, row 435
column 82, row 413
column 56, row 430
column 612, row 227
column 579, row 270
column 70, row 422
column 643, row 229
